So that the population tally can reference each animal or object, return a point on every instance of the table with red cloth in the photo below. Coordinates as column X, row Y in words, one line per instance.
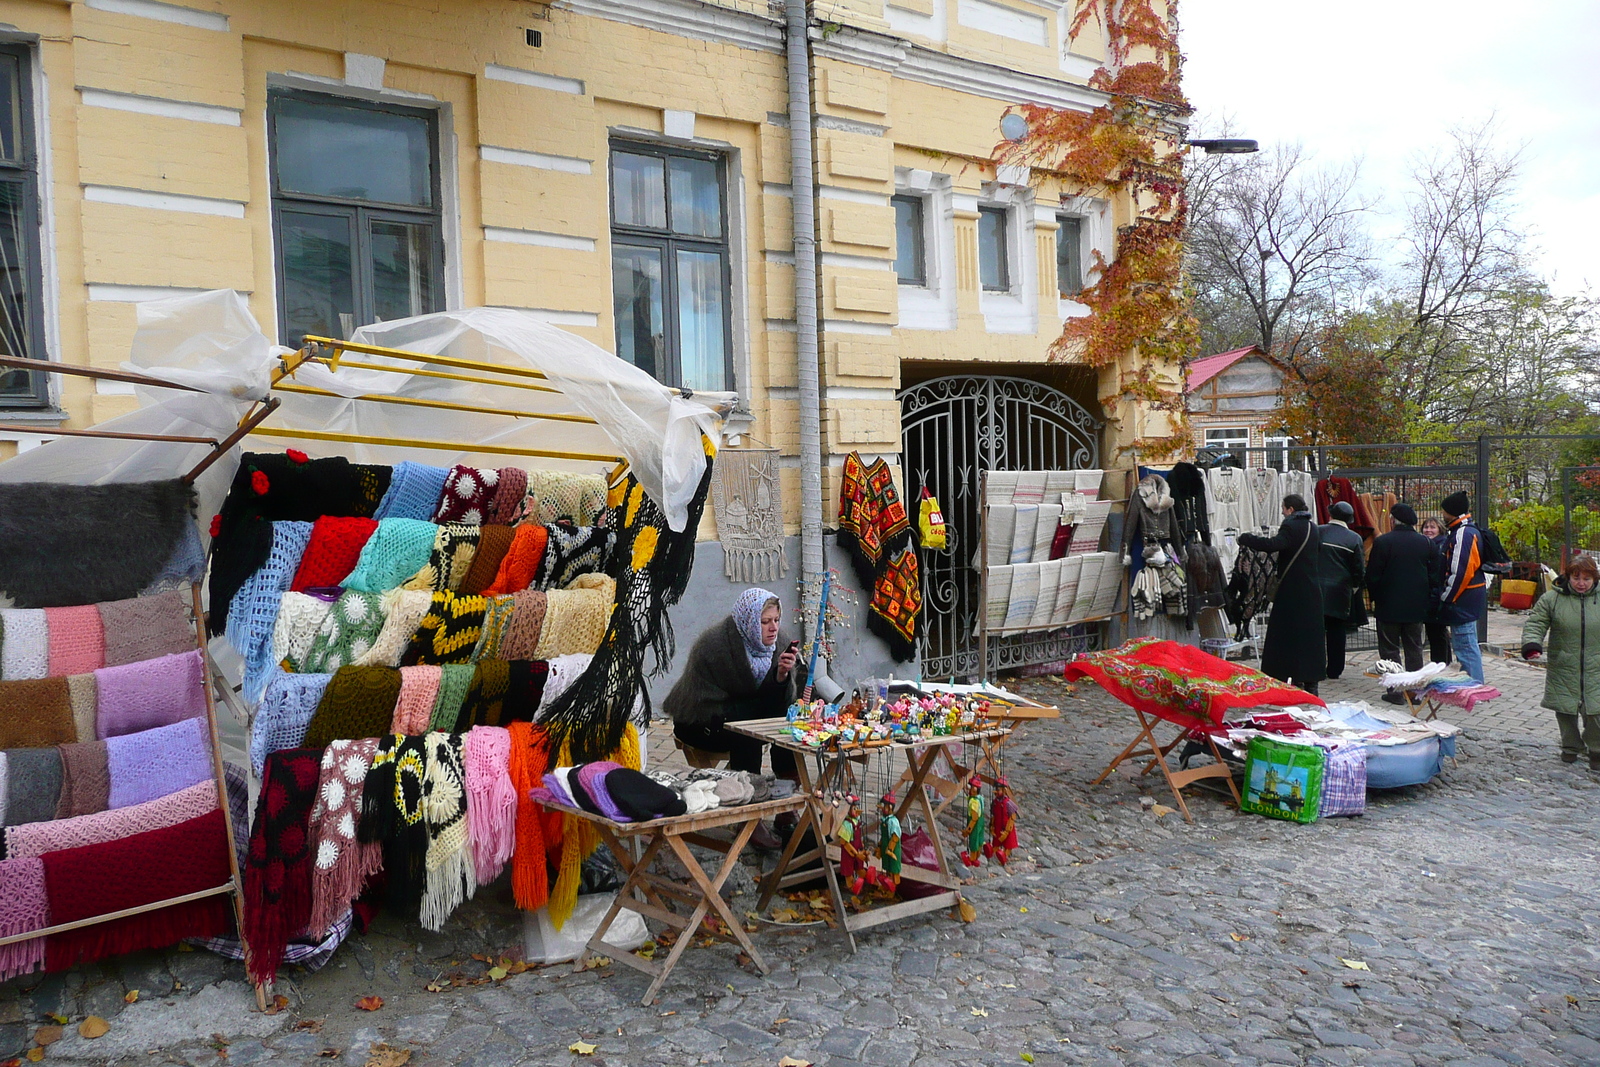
column 1164, row 681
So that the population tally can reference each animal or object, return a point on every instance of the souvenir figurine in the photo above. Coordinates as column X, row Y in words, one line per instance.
column 973, row 853
column 889, row 855
column 1003, row 832
column 853, row 866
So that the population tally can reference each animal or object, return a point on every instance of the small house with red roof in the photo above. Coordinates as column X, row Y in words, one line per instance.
column 1233, row 400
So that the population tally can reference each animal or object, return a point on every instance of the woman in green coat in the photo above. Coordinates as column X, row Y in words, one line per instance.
column 1570, row 615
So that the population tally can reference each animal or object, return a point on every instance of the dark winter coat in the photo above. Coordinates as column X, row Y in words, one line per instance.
column 1296, row 644
column 1343, row 574
column 1404, row 571
column 1466, row 587
column 1568, row 625
column 717, row 685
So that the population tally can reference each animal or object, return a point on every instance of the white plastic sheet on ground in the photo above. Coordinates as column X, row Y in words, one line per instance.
column 210, row 341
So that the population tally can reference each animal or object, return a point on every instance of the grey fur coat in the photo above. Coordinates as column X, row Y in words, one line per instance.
column 717, row 684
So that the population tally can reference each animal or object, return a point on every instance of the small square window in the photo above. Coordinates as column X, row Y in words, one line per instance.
column 994, row 270
column 910, row 247
column 1069, row 256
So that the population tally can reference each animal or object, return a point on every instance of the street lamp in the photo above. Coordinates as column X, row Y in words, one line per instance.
column 1226, row 146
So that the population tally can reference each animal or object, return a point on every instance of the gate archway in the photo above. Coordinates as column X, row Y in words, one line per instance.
column 952, row 428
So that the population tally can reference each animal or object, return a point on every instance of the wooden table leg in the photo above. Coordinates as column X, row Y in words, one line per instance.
column 811, row 817
column 711, row 888
column 928, row 813
column 1144, row 737
column 635, row 882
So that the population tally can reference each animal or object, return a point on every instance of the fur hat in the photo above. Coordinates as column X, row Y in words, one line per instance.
column 1343, row 512
column 1404, row 513
column 1456, row 504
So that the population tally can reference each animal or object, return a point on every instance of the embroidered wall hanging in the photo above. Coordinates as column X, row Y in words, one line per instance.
column 745, row 494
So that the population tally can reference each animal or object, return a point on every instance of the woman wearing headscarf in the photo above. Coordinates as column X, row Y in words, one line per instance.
column 1560, row 621
column 741, row 668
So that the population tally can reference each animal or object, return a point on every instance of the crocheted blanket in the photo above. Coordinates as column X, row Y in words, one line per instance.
column 467, row 496
column 35, row 839
column 254, row 613
column 33, row 785
column 66, row 544
column 300, row 616
column 1180, row 683
column 496, row 620
column 333, row 552
column 23, row 906
column 523, row 630
column 491, row 800
column 571, row 551
column 451, row 874
column 24, row 644
column 414, row 491
column 454, row 548
column 77, row 640
column 156, row 692
column 131, row 871
column 530, row 874
column 278, row 868
column 520, row 566
column 454, row 682
column 419, row 691
column 358, row 702
column 873, row 524
column 157, row 762
column 342, row 864
column 450, row 630
column 575, row 618
column 85, row 780
column 36, row 712
column 508, row 496
column 896, row 604
column 392, row 813
column 397, row 550
column 484, row 704
column 403, row 611
column 147, row 627
column 493, row 544
column 347, row 632
column 372, row 482
column 286, row 708
column 563, row 496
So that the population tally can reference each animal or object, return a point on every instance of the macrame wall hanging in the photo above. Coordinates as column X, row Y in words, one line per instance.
column 746, row 496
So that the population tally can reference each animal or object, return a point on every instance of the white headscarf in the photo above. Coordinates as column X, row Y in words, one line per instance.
column 747, row 612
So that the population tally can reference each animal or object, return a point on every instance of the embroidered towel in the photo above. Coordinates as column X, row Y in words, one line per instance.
column 1066, row 589
column 342, row 864
column 77, row 640
column 1000, row 523
column 1045, row 531
column 154, row 763
column 156, row 692
column 998, row 598
column 1000, row 487
column 1109, row 585
column 35, row 839
column 1030, row 488
column 397, row 550
column 1049, row 584
column 1022, row 534
column 36, row 712
column 85, row 780
column 1024, row 595
column 1088, row 482
column 24, row 644
column 284, row 712
column 33, row 785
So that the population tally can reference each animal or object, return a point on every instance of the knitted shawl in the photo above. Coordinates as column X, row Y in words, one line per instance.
column 24, row 644
column 154, row 763
column 23, row 907
column 468, row 495
column 419, row 691
column 484, row 704
column 335, row 547
column 563, row 496
column 372, row 482
column 35, row 839
column 451, row 877
column 572, row 551
column 147, row 627
column 277, row 874
column 395, row 551
column 403, row 610
column 525, row 690
column 300, row 616
column 35, row 713
column 358, row 702
column 85, row 780
column 392, row 813
column 493, row 544
column 530, row 878
column 453, row 685
column 77, row 544
column 449, row 631
column 575, row 617
column 413, row 493
column 491, row 800
column 141, row 869
column 33, row 784
column 347, row 632
column 526, row 625
column 185, row 567
column 254, row 612
column 85, row 694
column 156, row 692
column 896, row 605
column 496, row 620
column 454, row 547
column 508, row 496
column 286, row 708
column 77, row 640
column 5, row 777
column 522, row 560
column 873, row 524
column 343, row 864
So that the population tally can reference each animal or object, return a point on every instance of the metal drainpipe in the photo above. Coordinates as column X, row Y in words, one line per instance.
column 803, row 186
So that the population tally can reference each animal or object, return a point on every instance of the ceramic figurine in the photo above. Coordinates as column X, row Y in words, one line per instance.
column 972, row 855
column 889, row 855
column 1003, row 833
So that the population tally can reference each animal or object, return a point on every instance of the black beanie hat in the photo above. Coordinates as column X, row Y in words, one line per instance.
column 1404, row 513
column 1343, row 512
column 1456, row 504
column 642, row 798
column 583, row 799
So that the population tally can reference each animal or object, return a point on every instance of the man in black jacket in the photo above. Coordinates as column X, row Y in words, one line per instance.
column 1296, row 648
column 1343, row 572
column 1404, row 575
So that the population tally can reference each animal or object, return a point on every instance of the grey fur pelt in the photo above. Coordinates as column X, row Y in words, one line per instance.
column 62, row 545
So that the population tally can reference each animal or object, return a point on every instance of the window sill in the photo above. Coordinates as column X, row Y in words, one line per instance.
column 53, row 415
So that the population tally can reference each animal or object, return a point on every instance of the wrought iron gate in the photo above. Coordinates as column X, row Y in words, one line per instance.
column 1580, row 511
column 952, row 428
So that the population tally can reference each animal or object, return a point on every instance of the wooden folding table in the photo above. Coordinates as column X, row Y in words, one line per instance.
column 836, row 775
column 1146, row 745
column 681, row 905
column 987, row 764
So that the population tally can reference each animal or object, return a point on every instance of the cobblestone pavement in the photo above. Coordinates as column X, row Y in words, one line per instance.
column 1452, row 924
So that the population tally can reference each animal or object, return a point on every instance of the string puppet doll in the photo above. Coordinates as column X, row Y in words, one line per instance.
column 973, row 853
column 1003, row 833
column 854, row 867
column 889, row 855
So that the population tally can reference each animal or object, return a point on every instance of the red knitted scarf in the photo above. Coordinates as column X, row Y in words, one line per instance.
column 277, row 874
column 530, row 875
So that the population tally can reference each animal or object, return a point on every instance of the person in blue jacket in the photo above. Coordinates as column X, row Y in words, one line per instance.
column 1466, row 588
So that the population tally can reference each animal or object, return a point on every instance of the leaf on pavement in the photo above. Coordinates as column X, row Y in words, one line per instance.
column 131, row 997
column 582, row 1048
column 1239, row 937
column 498, row 973
column 35, row 1054
column 980, row 1011
column 46, row 1035
column 1161, row 810
column 1355, row 965
column 791, row 1061
column 968, row 912
column 370, row 1003
column 94, row 1027
column 383, row 1054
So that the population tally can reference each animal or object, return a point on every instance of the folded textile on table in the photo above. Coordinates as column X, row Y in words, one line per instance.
column 287, row 705
column 732, row 788
column 1180, row 683
column 33, row 784
column 572, row 551
column 155, row 692
column 23, row 907
column 147, row 627
column 1460, row 691
column 576, row 616
column 342, row 863
column 700, row 796
column 36, row 712
column 588, row 787
column 454, row 548
column 403, row 611
column 357, row 702
column 563, row 496
column 455, row 679
column 508, row 497
column 413, row 708
column 1403, row 679
column 300, row 616
column 491, row 800
column 494, row 542
column 519, row 567
column 414, row 491
column 467, row 495
column 396, row 551
column 640, row 798
column 451, row 873
column 333, row 551
column 64, row 544
column 278, row 867
column 85, row 780
column 449, row 631
column 35, row 839
column 77, row 640
column 253, row 615
column 153, row 763
column 520, row 639
column 132, row 871
column 496, row 620
column 530, row 874
column 24, row 644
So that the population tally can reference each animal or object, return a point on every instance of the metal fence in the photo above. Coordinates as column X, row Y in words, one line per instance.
column 1580, row 511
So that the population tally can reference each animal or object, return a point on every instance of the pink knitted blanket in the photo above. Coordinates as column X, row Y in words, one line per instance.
column 154, row 763
column 154, row 692
column 419, row 691
column 77, row 640
column 34, row 839
column 491, row 800
column 22, row 908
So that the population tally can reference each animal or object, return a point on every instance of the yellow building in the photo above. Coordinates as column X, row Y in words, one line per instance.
column 620, row 167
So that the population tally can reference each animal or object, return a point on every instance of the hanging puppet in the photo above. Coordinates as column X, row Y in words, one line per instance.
column 889, row 855
column 854, row 866
column 973, row 853
column 1003, row 832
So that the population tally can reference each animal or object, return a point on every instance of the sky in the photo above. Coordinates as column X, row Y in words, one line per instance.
column 1384, row 79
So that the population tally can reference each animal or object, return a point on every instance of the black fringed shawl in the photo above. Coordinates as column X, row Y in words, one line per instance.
column 651, row 565
column 63, row 545
column 391, row 812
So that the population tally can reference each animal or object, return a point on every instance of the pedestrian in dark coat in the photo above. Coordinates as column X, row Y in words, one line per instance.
column 1296, row 645
column 1404, row 573
column 1342, row 575
column 1439, row 650
column 1465, row 596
